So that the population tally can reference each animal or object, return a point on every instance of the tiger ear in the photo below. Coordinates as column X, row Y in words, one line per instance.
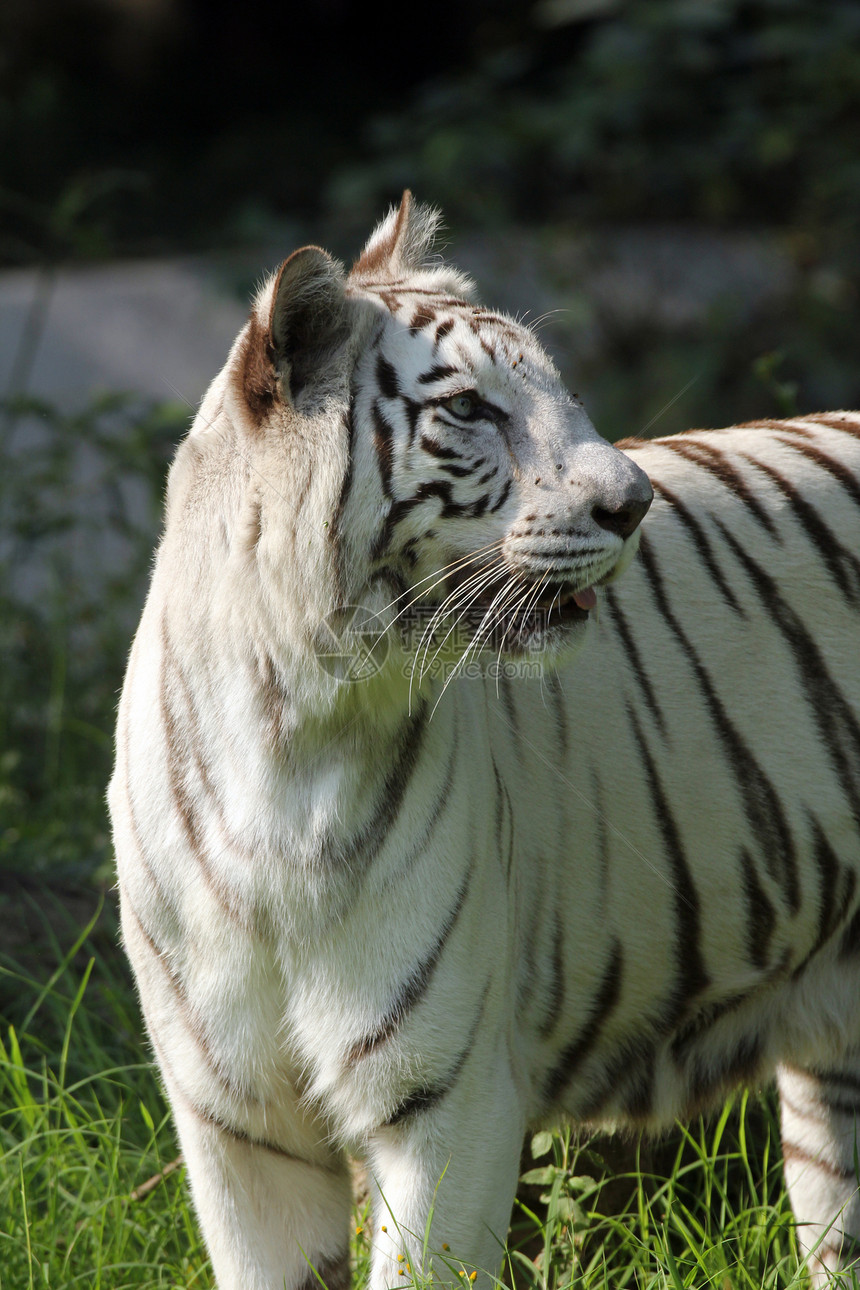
column 296, row 328
column 402, row 241
column 307, row 320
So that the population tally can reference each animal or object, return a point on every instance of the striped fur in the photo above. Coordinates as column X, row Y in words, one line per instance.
column 409, row 916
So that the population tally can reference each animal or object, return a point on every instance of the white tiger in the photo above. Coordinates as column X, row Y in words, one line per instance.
column 408, row 921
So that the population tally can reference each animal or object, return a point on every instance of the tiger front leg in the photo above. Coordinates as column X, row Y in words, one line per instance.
column 443, row 1181
column 272, row 1217
column 821, row 1150
column 272, row 1195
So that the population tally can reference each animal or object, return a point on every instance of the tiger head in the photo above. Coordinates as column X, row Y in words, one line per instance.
column 415, row 454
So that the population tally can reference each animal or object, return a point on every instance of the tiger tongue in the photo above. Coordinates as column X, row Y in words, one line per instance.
column 585, row 599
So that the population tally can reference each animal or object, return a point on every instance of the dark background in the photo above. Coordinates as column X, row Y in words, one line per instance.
column 139, row 126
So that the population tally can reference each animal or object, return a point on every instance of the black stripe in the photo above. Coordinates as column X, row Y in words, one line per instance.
column 179, row 752
column 843, row 566
column 603, row 849
column 366, row 843
column 506, row 690
column 436, row 450
column 443, row 329
column 692, row 975
column 634, row 658
column 386, row 378
column 438, row 372
column 640, row 1073
column 849, row 946
column 709, row 1077
column 702, row 545
column 447, row 302
column 718, row 464
column 628, row 1076
column 414, row 987
column 418, row 848
column 335, row 532
column 837, row 1107
column 840, row 1078
column 439, row 488
column 575, row 1053
column 762, row 806
column 458, row 472
column 504, row 325
column 555, row 688
column 832, row 904
column 702, row 1023
column 188, row 1014
column 837, row 727
column 503, row 497
column 504, row 810
column 383, row 439
column 826, row 462
column 761, row 915
column 413, row 410
column 422, row 318
column 501, row 793
column 429, row 1095
column 207, row 1117
column 555, row 991
column 835, row 423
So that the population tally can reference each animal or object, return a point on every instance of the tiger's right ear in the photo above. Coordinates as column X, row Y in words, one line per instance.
column 297, row 326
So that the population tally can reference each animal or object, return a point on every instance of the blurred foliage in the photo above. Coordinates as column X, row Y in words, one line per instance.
column 162, row 124
column 76, row 491
column 790, row 356
column 711, row 110
column 183, row 123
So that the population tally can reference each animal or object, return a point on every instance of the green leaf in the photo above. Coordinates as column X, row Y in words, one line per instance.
column 541, row 1144
column 540, row 1177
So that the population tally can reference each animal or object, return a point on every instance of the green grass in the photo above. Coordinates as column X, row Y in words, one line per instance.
column 83, row 1126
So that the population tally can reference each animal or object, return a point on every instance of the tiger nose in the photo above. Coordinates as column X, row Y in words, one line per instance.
column 626, row 518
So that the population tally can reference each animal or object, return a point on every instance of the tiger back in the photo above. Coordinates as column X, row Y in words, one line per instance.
column 441, row 810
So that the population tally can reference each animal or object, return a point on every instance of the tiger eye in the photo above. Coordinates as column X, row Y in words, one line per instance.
column 462, row 405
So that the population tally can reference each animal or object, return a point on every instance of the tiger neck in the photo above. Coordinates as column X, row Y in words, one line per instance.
column 309, row 714
column 341, row 777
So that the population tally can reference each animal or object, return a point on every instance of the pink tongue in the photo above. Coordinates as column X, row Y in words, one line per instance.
column 586, row 599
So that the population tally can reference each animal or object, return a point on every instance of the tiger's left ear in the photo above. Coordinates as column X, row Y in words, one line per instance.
column 297, row 326
column 307, row 319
